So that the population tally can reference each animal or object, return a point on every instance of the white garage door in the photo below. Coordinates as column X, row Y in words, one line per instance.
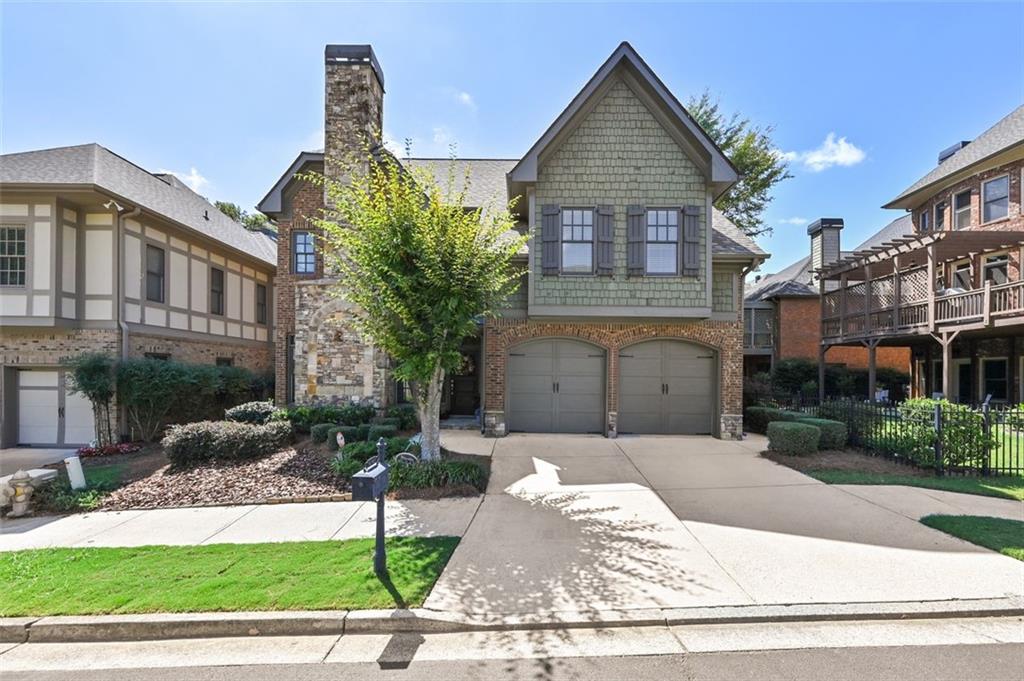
column 556, row 386
column 48, row 414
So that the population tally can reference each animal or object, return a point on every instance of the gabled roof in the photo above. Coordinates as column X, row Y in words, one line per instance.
column 1007, row 133
column 797, row 278
column 271, row 203
column 95, row 167
column 722, row 172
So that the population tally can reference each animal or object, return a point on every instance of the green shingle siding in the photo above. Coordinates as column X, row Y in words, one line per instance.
column 722, row 295
column 620, row 155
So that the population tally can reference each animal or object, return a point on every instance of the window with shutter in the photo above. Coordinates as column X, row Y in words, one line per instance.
column 578, row 240
column 605, row 240
column 635, row 252
column 691, row 241
column 662, row 246
column 549, row 227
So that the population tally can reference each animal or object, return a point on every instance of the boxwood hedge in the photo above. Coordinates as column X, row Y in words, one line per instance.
column 833, row 433
column 793, row 438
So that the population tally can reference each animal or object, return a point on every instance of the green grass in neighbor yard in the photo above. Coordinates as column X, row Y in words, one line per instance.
column 323, row 575
column 1004, row 486
column 998, row 534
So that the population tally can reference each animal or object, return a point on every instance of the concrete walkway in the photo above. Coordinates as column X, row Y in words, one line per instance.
column 25, row 458
column 239, row 524
column 585, row 523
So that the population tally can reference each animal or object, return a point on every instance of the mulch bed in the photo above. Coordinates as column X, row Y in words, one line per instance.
column 845, row 460
column 299, row 472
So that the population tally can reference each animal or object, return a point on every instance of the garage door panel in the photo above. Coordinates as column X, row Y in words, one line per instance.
column 38, row 404
column 689, row 403
column 79, row 426
column 689, row 424
column 533, row 370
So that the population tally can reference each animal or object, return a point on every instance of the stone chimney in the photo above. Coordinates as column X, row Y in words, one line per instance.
column 824, row 234
column 353, row 104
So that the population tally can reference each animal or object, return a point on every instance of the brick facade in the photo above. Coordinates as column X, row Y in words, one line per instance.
column 253, row 356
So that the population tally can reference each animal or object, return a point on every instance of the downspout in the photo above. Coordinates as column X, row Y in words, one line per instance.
column 122, row 412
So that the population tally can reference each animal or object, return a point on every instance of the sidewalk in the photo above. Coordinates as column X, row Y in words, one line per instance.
column 239, row 524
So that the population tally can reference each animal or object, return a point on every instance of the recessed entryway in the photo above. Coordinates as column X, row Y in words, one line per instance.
column 667, row 387
column 556, row 386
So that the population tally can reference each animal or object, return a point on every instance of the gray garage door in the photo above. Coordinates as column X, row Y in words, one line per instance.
column 556, row 386
column 666, row 387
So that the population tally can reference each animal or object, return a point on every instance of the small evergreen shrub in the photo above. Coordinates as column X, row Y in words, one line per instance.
column 757, row 418
column 406, row 415
column 346, row 467
column 833, row 433
column 251, row 412
column 320, row 432
column 793, row 438
column 304, row 417
column 362, row 431
column 387, row 421
column 381, row 431
column 441, row 473
column 195, row 443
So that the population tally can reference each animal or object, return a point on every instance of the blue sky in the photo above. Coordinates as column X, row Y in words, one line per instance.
column 228, row 94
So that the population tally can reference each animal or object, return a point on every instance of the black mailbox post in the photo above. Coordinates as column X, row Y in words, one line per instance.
column 371, row 484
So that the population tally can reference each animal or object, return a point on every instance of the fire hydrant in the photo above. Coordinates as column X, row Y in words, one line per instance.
column 20, row 493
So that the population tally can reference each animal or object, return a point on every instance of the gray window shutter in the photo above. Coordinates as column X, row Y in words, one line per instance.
column 605, row 240
column 636, row 240
column 691, row 241
column 549, row 236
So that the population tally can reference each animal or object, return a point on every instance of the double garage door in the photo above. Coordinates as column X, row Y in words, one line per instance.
column 48, row 414
column 558, row 386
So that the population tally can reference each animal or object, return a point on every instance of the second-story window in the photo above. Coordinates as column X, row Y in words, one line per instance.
column 923, row 224
column 940, row 216
column 12, row 255
column 995, row 199
column 303, row 256
column 216, row 291
column 996, row 268
column 578, row 240
column 757, row 328
column 962, row 210
column 261, row 304
column 154, row 274
column 662, row 241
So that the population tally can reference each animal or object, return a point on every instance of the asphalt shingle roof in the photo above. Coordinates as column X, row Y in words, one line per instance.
column 94, row 165
column 1006, row 133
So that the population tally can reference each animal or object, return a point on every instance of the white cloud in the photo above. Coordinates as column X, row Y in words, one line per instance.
column 793, row 221
column 465, row 99
column 442, row 135
column 192, row 178
column 395, row 146
column 831, row 152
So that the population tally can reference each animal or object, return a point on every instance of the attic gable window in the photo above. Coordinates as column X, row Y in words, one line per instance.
column 578, row 240
column 662, row 241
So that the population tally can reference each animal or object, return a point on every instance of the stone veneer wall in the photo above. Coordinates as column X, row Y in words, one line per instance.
column 726, row 337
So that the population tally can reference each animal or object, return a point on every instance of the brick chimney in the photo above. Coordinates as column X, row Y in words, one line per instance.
column 353, row 103
column 824, row 234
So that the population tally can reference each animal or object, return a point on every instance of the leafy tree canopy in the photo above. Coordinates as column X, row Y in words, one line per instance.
column 253, row 221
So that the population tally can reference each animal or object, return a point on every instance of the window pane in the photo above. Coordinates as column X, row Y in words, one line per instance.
column 673, row 218
column 652, row 233
column 567, row 232
column 995, row 378
column 588, row 233
column 997, row 189
column 962, row 200
column 576, row 257
column 962, row 278
column 661, row 258
column 588, row 217
column 996, row 209
column 673, row 233
column 940, row 216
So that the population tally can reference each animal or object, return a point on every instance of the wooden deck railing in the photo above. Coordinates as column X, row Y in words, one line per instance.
column 883, row 307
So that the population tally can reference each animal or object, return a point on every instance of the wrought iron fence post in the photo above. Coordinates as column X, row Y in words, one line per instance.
column 938, row 439
column 986, row 414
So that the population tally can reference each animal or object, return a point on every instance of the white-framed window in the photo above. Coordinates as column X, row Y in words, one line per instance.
column 923, row 223
column 940, row 216
column 12, row 255
column 962, row 209
column 995, row 378
column 757, row 327
column 995, row 199
column 303, row 255
column 578, row 240
column 996, row 268
column 962, row 275
column 662, row 241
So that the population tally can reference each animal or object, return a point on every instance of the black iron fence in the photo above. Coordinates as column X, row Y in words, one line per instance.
column 949, row 438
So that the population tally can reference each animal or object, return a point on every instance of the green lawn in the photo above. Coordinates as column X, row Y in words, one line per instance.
column 998, row 534
column 1009, row 450
column 1007, row 486
column 327, row 575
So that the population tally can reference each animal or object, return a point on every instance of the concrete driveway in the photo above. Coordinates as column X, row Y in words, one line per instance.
column 575, row 523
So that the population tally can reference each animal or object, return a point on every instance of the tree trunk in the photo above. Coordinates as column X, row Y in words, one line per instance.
column 428, row 404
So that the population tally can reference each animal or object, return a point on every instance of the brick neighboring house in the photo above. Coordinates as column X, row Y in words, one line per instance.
column 782, row 311
column 97, row 254
column 630, row 316
column 952, row 292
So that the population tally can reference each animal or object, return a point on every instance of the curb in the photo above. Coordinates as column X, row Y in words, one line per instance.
column 69, row 629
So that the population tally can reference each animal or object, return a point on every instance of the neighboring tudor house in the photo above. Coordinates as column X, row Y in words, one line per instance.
column 782, row 311
column 99, row 255
column 630, row 318
column 952, row 291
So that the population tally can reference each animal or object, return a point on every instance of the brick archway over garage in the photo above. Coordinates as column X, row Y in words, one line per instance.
column 724, row 337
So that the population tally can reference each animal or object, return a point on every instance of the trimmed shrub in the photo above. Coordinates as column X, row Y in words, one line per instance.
column 362, row 431
column 833, row 433
column 319, row 432
column 346, row 467
column 757, row 419
column 442, row 473
column 363, row 450
column 251, row 412
column 304, row 417
column 386, row 421
column 195, row 443
column 354, row 414
column 406, row 415
column 793, row 438
column 332, row 435
column 384, row 431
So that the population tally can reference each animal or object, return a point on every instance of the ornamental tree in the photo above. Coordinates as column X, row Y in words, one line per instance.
column 419, row 266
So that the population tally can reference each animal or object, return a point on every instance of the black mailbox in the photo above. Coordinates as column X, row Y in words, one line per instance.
column 370, row 484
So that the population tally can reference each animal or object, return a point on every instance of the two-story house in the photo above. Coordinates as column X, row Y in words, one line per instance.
column 99, row 255
column 629, row 319
column 782, row 311
column 952, row 291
